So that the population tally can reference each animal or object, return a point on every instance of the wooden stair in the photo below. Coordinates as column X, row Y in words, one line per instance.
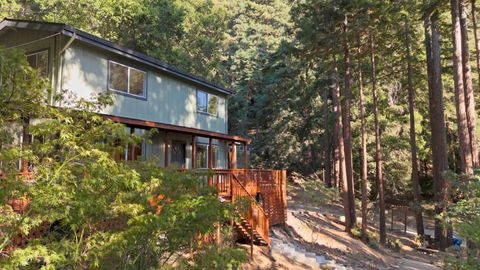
column 245, row 231
column 239, row 186
column 253, row 222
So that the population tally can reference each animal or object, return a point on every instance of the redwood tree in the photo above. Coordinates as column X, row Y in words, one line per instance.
column 467, row 84
column 341, row 154
column 346, row 125
column 413, row 144
column 437, row 120
column 463, row 134
column 378, row 147
column 364, row 147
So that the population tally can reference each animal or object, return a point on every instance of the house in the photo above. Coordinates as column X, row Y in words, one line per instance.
column 190, row 113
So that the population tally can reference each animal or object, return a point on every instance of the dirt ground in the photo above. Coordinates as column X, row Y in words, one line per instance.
column 317, row 227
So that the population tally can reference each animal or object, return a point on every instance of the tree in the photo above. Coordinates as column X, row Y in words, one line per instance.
column 475, row 35
column 466, row 162
column 327, row 134
column 467, row 84
column 413, row 143
column 346, row 124
column 364, row 173
column 341, row 149
column 378, row 147
column 437, row 122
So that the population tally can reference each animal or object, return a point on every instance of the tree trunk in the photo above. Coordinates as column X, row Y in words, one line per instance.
column 364, row 148
column 475, row 35
column 463, row 134
column 413, row 144
column 341, row 154
column 467, row 84
column 346, row 126
column 438, row 130
column 327, row 164
column 378, row 148
column 335, row 152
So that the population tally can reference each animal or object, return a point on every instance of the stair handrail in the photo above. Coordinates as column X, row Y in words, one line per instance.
column 253, row 204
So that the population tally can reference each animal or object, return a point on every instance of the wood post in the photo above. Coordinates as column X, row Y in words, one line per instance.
column 210, row 153
column 166, row 151
column 131, row 148
column 251, row 236
column 245, row 158
column 234, row 156
column 194, row 151
column 210, row 160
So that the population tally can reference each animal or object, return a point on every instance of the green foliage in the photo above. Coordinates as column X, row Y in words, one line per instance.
column 464, row 215
column 210, row 258
column 356, row 232
column 314, row 192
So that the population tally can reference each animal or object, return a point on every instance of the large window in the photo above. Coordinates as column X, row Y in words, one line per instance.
column 207, row 103
column 202, row 156
column 39, row 61
column 126, row 79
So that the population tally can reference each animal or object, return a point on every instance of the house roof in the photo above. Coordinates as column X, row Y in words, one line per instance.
column 111, row 47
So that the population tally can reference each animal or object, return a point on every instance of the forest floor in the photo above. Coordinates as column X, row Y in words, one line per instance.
column 314, row 225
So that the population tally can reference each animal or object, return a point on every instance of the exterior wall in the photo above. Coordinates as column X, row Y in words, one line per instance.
column 169, row 100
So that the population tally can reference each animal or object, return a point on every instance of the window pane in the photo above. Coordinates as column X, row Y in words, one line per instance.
column 118, row 77
column 201, row 156
column 32, row 60
column 137, row 82
column 201, row 101
column 214, row 156
column 212, row 105
column 42, row 63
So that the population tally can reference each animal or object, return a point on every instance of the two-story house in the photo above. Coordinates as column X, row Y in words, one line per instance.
column 191, row 114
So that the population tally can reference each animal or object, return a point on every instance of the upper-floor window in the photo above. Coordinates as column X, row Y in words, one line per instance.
column 126, row 79
column 207, row 103
column 39, row 61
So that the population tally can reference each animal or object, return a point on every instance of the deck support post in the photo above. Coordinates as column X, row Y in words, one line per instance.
column 210, row 160
column 233, row 158
column 194, row 151
column 245, row 158
column 132, row 147
column 166, row 151
column 210, row 153
column 251, row 242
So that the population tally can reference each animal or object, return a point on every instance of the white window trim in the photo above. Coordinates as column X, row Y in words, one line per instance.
column 128, row 81
column 208, row 102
